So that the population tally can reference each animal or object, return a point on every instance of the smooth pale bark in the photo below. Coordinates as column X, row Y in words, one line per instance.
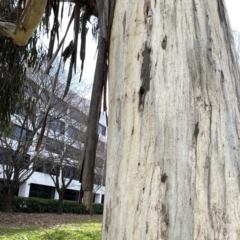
column 29, row 24
column 173, row 162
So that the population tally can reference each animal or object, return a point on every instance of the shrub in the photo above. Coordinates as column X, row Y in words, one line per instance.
column 97, row 208
column 41, row 205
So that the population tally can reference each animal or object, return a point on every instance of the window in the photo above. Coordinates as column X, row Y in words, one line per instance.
column 71, row 195
column 24, row 162
column 101, row 129
column 31, row 88
column 18, row 133
column 5, row 156
column 101, row 148
column 40, row 118
column 75, row 134
column 45, row 96
column 74, row 113
column 68, row 171
column 53, row 145
column 57, row 126
column 59, row 105
column 21, row 112
column 41, row 191
column 46, row 168
column 73, row 153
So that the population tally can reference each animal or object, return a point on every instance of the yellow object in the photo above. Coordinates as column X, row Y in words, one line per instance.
column 28, row 26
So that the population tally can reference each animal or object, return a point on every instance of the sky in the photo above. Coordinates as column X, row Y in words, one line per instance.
column 233, row 8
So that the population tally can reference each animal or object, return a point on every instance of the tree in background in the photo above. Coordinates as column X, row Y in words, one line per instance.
column 18, row 158
column 28, row 20
column 64, row 160
column 174, row 125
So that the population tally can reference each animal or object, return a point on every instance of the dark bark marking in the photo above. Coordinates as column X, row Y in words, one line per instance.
column 124, row 23
column 148, row 16
column 107, row 221
column 223, row 19
column 194, row 6
column 164, row 42
column 164, row 177
column 119, row 113
column 165, row 215
column 145, row 76
column 222, row 83
column 221, row 11
column 146, row 13
column 196, row 130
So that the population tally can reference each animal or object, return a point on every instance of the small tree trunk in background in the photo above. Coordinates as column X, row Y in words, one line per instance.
column 173, row 154
column 60, row 203
column 8, row 200
column 88, row 201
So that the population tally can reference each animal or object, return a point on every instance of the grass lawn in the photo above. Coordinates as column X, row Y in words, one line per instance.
column 82, row 230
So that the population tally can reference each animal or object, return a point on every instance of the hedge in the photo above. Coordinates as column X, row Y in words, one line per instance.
column 41, row 205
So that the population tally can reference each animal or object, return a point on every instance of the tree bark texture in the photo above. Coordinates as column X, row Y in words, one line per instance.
column 60, row 203
column 7, row 203
column 174, row 123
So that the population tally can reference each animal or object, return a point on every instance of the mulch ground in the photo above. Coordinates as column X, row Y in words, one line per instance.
column 41, row 219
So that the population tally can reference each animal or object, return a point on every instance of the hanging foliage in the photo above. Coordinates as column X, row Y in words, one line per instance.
column 13, row 63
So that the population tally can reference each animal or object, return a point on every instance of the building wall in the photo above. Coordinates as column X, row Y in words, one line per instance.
column 69, row 120
column 45, row 179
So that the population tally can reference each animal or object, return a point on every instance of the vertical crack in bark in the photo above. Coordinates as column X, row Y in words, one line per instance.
column 224, row 21
column 145, row 76
column 221, row 11
column 124, row 23
column 209, row 172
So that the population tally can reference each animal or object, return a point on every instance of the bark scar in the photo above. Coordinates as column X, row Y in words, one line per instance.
column 196, row 130
column 164, row 42
column 164, row 177
column 145, row 76
column 124, row 23
column 221, row 11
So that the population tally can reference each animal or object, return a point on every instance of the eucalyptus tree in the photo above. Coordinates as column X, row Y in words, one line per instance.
column 174, row 124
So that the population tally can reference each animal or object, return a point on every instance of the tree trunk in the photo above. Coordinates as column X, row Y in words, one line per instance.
column 174, row 124
column 60, row 203
column 8, row 195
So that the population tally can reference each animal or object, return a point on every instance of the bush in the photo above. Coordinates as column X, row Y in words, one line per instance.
column 97, row 208
column 41, row 205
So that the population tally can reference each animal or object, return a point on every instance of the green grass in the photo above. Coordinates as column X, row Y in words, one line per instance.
column 88, row 230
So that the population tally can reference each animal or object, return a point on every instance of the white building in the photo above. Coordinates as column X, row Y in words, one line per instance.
column 63, row 139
